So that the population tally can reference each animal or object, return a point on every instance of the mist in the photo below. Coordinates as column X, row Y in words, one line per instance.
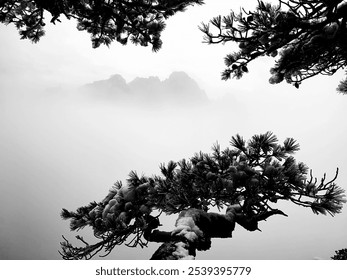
column 65, row 147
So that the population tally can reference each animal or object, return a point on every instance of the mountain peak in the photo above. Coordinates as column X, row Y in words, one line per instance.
column 117, row 79
column 178, row 88
column 179, row 75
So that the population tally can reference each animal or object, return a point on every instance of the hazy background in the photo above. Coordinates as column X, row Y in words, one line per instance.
column 67, row 133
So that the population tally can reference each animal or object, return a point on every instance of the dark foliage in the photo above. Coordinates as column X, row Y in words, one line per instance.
column 306, row 37
column 340, row 255
column 138, row 21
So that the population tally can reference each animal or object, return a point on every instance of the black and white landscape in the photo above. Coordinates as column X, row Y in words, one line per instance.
column 74, row 120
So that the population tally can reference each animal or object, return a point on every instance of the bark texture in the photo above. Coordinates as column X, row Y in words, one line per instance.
column 193, row 231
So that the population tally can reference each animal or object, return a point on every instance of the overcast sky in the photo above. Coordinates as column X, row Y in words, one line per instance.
column 59, row 150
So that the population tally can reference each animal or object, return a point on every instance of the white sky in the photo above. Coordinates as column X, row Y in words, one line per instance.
column 58, row 152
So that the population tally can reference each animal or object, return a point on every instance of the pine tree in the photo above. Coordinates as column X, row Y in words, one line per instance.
column 305, row 37
column 140, row 21
column 247, row 180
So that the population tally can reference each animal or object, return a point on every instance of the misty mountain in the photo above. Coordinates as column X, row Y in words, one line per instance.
column 178, row 88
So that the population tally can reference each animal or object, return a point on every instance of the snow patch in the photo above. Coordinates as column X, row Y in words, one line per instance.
column 181, row 252
column 190, row 236
column 185, row 226
column 192, row 224
column 180, row 228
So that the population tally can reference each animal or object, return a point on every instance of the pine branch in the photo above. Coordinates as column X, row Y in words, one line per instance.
column 140, row 22
column 307, row 39
column 247, row 178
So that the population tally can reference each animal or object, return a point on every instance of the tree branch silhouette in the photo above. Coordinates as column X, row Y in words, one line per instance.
column 247, row 179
